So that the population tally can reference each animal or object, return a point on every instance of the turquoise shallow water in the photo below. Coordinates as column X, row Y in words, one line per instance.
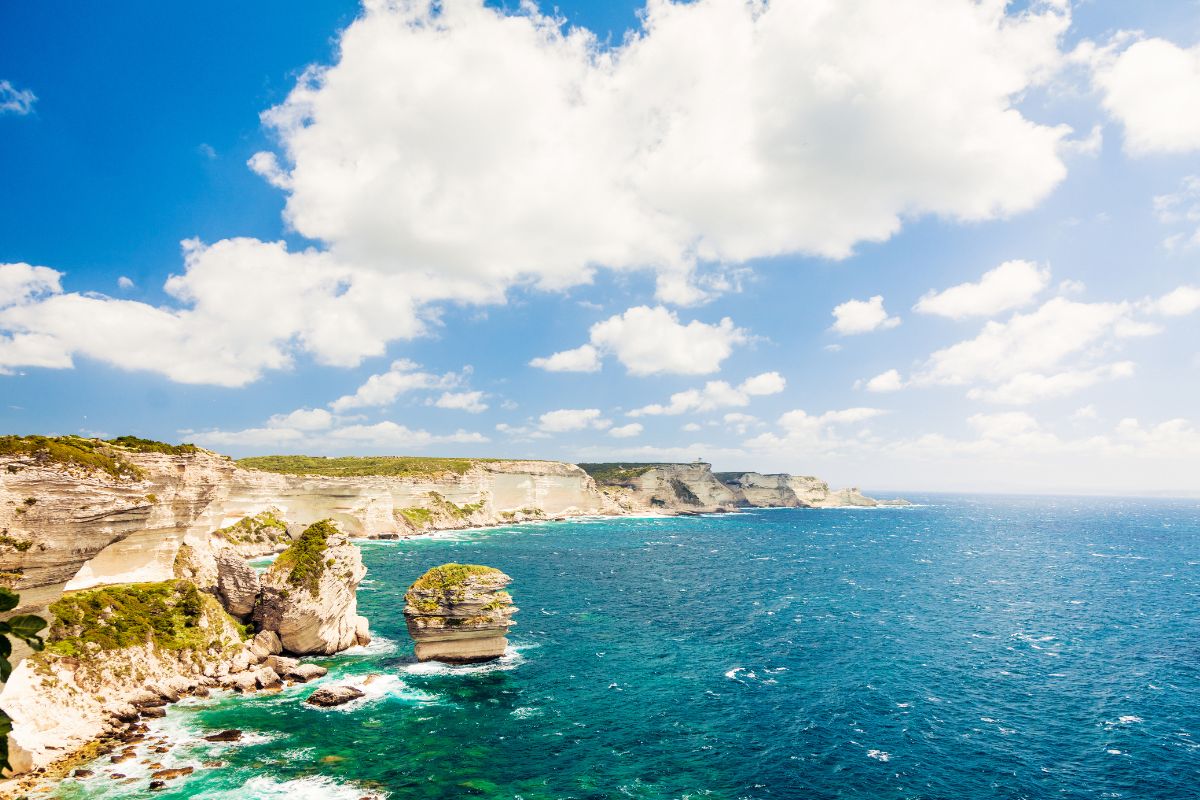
column 967, row 648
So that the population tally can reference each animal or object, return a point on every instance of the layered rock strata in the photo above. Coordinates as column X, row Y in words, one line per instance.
column 309, row 593
column 460, row 614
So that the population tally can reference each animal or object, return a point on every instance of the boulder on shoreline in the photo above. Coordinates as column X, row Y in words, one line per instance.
column 460, row 614
column 330, row 696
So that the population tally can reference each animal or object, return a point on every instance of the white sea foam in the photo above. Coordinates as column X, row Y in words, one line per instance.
column 879, row 755
column 378, row 646
column 317, row 787
column 511, row 659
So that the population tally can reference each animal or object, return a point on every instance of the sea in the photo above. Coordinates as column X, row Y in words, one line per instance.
column 958, row 649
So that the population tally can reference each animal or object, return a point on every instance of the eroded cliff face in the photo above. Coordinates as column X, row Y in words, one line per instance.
column 309, row 597
column 459, row 614
column 694, row 487
column 67, row 529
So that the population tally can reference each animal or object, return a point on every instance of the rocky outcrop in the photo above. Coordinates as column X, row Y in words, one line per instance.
column 238, row 585
column 330, row 696
column 680, row 488
column 664, row 487
column 308, row 593
column 459, row 614
column 113, row 655
column 74, row 526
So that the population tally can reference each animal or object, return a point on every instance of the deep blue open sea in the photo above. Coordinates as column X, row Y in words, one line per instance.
column 965, row 648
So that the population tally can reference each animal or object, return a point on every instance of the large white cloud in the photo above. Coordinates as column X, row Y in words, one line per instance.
column 1010, row 285
column 651, row 341
column 244, row 306
column 1153, row 88
column 1051, row 351
column 454, row 150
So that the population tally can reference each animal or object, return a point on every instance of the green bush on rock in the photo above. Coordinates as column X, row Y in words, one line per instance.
column 169, row 613
column 304, row 561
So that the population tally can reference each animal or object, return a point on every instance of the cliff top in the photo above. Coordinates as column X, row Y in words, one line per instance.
column 449, row 577
column 362, row 466
column 304, row 559
column 104, row 455
column 620, row 472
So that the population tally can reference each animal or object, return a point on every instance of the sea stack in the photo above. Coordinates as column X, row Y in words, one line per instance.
column 459, row 614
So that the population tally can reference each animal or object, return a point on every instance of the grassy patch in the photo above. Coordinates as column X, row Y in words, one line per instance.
column 304, row 561
column 140, row 445
column 617, row 473
column 169, row 613
column 358, row 466
column 264, row 527
column 92, row 455
column 444, row 584
column 20, row 545
column 417, row 517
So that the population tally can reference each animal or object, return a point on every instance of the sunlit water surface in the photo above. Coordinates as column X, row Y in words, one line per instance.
column 966, row 648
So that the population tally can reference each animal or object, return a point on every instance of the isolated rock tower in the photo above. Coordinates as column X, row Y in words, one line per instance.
column 459, row 614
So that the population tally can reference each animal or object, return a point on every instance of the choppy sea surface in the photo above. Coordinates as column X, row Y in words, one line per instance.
column 964, row 648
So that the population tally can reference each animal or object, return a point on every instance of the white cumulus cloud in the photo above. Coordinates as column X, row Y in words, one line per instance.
column 715, row 394
column 1152, row 88
column 1011, row 285
column 565, row 420
column 862, row 316
column 626, row 431
column 383, row 388
column 454, row 150
column 889, row 381
column 651, row 341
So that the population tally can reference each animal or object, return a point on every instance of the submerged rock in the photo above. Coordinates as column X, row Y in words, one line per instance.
column 231, row 735
column 459, row 614
column 308, row 594
column 329, row 696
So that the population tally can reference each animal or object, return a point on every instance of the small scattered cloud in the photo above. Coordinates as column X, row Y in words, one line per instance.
column 124, row 283
column 714, row 395
column 651, row 341
column 626, row 431
column 889, row 381
column 584, row 358
column 1177, row 303
column 383, row 388
column 471, row 402
column 862, row 316
column 15, row 101
column 207, row 151
column 565, row 420
column 1180, row 210
column 1011, row 285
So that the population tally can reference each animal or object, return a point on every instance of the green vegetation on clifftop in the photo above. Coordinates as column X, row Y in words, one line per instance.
column 304, row 560
column 360, row 466
column 93, row 455
column 445, row 584
column 264, row 527
column 169, row 613
column 617, row 473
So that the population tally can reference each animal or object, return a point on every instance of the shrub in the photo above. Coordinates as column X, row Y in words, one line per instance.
column 354, row 466
column 167, row 613
column 304, row 560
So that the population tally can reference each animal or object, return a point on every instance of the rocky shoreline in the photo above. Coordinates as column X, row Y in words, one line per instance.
column 111, row 537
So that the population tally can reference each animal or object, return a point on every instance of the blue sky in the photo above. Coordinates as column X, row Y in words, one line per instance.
column 463, row 192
